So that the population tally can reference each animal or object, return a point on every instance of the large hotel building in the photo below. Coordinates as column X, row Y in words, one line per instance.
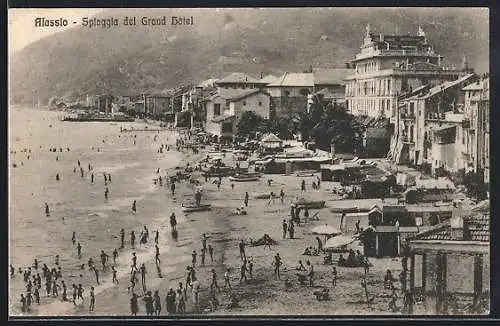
column 388, row 67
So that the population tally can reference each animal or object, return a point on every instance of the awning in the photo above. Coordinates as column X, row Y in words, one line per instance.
column 443, row 127
column 222, row 118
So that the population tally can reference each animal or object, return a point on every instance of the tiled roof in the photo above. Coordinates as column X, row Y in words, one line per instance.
column 267, row 79
column 270, row 138
column 476, row 228
column 294, row 80
column 477, row 86
column 236, row 77
column 247, row 93
column 439, row 183
column 444, row 86
column 330, row 76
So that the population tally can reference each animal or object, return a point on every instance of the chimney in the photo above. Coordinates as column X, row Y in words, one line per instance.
column 457, row 222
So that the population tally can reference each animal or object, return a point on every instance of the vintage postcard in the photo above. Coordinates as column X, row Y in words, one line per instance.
column 249, row 162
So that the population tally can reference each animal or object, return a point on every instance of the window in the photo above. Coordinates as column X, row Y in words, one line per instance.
column 244, row 103
column 412, row 109
column 260, row 103
column 216, row 109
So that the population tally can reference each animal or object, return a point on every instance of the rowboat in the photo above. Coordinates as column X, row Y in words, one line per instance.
column 262, row 195
column 310, row 204
column 194, row 208
column 241, row 178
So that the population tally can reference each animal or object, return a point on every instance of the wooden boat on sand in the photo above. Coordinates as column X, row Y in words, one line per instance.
column 310, row 204
column 194, row 208
column 243, row 178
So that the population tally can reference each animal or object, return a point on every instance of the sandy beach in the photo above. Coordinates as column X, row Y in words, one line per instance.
column 97, row 224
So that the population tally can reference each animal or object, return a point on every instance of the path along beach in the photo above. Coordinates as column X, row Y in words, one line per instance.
column 77, row 205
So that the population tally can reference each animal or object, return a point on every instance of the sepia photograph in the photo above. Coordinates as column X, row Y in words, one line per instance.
column 244, row 162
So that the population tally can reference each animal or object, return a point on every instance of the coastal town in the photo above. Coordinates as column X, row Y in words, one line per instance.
column 354, row 190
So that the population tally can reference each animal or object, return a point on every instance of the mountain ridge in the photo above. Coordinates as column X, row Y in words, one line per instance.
column 128, row 60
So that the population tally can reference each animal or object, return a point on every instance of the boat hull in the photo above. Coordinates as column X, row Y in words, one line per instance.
column 202, row 208
column 245, row 179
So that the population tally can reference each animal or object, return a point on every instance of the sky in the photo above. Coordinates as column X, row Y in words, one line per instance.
column 22, row 30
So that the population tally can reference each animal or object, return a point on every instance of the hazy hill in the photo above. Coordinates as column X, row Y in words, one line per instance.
column 130, row 60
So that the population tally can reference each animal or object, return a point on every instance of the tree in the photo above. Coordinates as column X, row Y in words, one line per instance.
column 249, row 123
column 329, row 123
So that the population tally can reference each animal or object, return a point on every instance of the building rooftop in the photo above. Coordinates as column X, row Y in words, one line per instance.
column 476, row 228
column 477, row 86
column 444, row 86
column 267, row 79
column 439, row 183
column 236, row 78
column 331, row 76
column 294, row 80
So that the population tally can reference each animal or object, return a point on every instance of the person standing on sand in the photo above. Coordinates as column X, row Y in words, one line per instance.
column 334, row 276
column 227, row 276
column 134, row 207
column 106, row 193
column 211, row 253
column 115, row 279
column 122, row 238
column 104, row 259
column 277, row 264
column 148, row 301
column 291, row 229
column 79, row 250
column 134, row 305
column 80, row 292
column 75, row 292
column 196, row 289
column 172, row 187
column 73, row 238
column 173, row 222
column 157, row 236
column 92, row 299
column 204, row 241
column 157, row 255
column 246, row 198
column 243, row 256
column 285, row 227
column 133, row 279
column 105, row 179
column 109, row 177
column 92, row 178
column 181, row 301
column 81, row 173
column 47, row 210
column 282, row 196
column 203, row 251
column 193, row 260
column 23, row 303
column 243, row 271
column 115, row 255
column 132, row 239
column 157, row 303
column 303, row 186
column 96, row 272
column 134, row 262
column 310, row 273
column 143, row 274
column 36, row 294
column 214, row 284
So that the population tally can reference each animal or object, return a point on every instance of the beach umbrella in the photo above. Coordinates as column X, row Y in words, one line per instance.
column 325, row 230
column 338, row 241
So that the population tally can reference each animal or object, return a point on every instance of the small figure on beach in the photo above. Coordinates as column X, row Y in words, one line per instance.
column 134, row 305
column 243, row 255
column 115, row 255
column 92, row 299
column 227, row 276
column 134, row 207
column 243, row 271
column 57, row 177
column 104, row 259
column 310, row 273
column 173, row 222
column 47, row 210
column 193, row 258
column 303, row 186
column 106, row 193
column 285, row 228
column 143, row 274
column 211, row 252
column 157, row 303
column 92, row 178
column 301, row 266
column 172, row 187
column 334, row 276
column 291, row 229
column 122, row 238
column 282, row 196
column 277, row 264
column 79, row 250
column 246, row 198
column 214, row 284
column 115, row 279
column 157, row 255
